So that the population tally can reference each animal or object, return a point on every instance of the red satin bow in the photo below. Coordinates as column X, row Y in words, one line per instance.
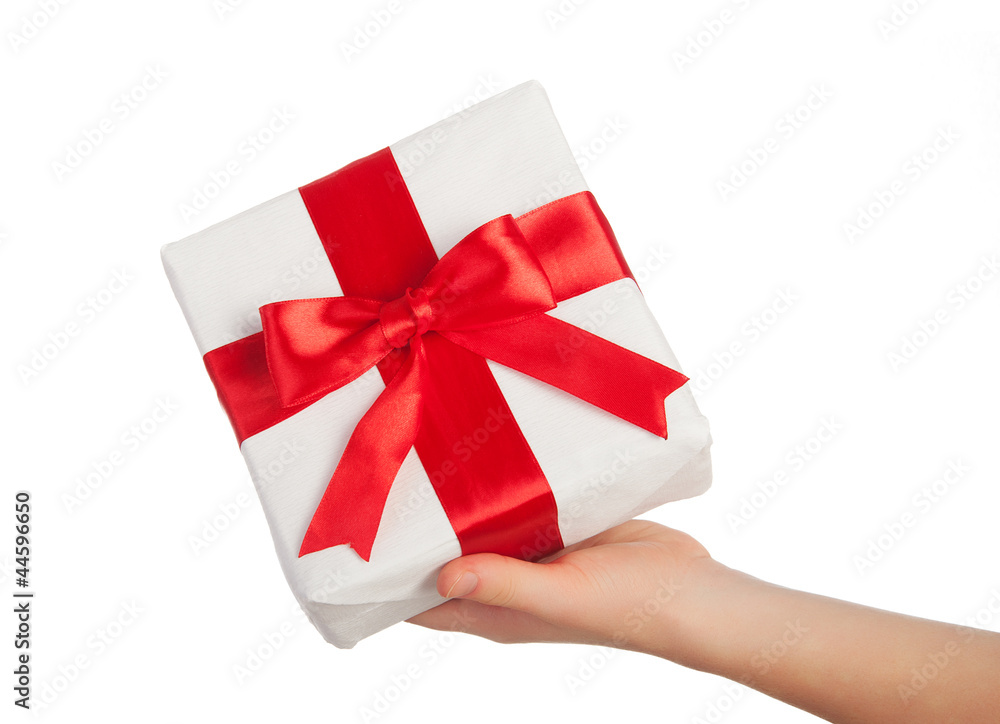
column 489, row 294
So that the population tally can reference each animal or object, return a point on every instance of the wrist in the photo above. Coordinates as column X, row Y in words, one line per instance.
column 703, row 630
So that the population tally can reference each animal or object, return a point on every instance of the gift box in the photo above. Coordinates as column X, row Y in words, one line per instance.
column 438, row 349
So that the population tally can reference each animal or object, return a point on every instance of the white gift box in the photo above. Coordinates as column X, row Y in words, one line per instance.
column 505, row 155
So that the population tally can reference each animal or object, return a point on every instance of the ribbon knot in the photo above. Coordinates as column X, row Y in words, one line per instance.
column 406, row 317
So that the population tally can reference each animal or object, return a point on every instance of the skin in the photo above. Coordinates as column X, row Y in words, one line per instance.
column 644, row 587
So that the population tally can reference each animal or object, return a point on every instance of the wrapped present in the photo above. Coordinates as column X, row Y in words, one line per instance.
column 437, row 350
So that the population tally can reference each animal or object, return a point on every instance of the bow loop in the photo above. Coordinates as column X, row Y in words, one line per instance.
column 314, row 346
column 491, row 277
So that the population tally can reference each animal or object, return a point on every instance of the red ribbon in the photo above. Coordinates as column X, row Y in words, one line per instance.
column 489, row 294
column 429, row 336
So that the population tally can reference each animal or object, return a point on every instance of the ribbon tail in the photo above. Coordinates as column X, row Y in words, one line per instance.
column 600, row 372
column 352, row 505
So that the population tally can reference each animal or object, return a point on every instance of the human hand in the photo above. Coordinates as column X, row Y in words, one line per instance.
column 636, row 586
column 649, row 588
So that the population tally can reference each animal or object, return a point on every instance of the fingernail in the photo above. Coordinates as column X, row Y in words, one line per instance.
column 463, row 585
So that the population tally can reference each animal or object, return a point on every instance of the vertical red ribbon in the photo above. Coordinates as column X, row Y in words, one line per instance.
column 475, row 455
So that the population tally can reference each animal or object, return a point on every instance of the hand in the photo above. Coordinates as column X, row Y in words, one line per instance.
column 625, row 587
column 648, row 588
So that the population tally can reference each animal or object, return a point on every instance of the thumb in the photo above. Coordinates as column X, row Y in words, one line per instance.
column 498, row 580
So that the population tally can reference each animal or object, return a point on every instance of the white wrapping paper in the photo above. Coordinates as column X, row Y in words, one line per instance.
column 504, row 155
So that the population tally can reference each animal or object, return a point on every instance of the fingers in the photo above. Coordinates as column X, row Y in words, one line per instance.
column 496, row 580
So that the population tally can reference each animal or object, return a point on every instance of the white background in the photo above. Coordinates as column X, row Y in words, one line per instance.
column 161, row 628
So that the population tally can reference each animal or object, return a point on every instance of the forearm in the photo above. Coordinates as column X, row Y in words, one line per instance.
column 841, row 661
